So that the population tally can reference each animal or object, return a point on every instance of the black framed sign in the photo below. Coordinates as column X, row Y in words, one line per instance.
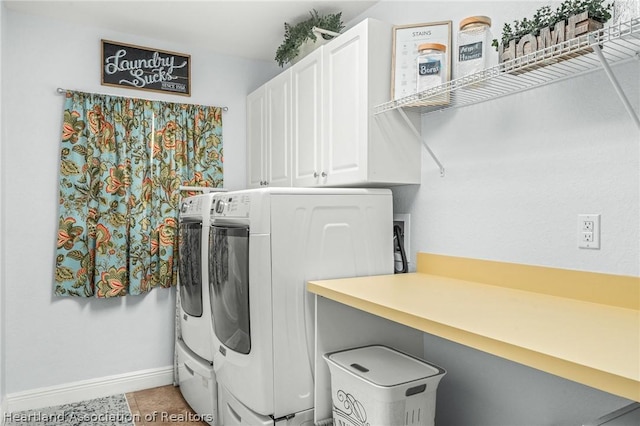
column 136, row 67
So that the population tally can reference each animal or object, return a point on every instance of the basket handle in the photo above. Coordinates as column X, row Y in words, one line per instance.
column 360, row 368
column 416, row 390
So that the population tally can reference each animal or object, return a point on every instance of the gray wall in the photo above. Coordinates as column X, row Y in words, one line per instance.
column 519, row 170
column 53, row 340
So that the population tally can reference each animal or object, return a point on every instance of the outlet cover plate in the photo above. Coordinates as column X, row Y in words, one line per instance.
column 589, row 231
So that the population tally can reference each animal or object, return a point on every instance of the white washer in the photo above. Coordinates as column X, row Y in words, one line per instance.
column 196, row 376
column 195, row 311
column 265, row 244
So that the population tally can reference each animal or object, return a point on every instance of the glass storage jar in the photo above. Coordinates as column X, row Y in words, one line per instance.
column 431, row 66
column 474, row 44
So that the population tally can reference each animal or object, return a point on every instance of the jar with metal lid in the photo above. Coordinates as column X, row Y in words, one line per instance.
column 474, row 45
column 431, row 66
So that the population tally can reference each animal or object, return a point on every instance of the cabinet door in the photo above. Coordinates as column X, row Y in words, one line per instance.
column 256, row 137
column 306, row 119
column 345, row 109
column 278, row 147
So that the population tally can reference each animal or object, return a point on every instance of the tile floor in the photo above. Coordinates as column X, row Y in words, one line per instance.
column 163, row 405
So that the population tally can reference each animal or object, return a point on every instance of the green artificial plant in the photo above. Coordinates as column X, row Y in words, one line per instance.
column 545, row 17
column 295, row 35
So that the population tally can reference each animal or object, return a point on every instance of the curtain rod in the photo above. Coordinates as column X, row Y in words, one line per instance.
column 62, row 91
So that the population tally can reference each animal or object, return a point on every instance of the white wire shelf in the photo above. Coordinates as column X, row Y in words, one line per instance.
column 614, row 44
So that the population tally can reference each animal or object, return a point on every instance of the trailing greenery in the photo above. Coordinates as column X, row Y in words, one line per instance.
column 545, row 17
column 295, row 35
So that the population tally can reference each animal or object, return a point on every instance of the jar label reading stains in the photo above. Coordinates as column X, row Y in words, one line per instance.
column 469, row 52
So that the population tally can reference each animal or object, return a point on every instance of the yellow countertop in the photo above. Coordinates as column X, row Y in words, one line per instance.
column 592, row 343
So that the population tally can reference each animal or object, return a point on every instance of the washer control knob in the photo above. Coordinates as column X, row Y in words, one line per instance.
column 219, row 206
column 184, row 207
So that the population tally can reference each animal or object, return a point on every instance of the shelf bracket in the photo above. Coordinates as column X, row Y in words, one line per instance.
column 614, row 81
column 421, row 139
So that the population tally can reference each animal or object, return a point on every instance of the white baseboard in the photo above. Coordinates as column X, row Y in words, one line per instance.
column 89, row 389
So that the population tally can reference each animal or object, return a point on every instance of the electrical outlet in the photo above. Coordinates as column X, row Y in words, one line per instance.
column 589, row 231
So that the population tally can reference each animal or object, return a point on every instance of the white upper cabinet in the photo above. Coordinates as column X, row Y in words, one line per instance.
column 306, row 115
column 279, row 130
column 345, row 108
column 335, row 139
column 256, row 137
column 269, row 133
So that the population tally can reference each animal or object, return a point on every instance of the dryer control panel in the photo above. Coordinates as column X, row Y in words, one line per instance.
column 231, row 205
column 191, row 205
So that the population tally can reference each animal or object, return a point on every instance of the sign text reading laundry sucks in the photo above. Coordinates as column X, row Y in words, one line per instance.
column 139, row 67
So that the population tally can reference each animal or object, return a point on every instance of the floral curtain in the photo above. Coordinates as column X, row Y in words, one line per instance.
column 121, row 165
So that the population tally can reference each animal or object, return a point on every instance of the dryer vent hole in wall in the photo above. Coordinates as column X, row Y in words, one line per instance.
column 401, row 243
column 399, row 254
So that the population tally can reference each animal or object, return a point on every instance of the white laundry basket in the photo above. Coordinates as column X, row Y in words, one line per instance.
column 380, row 386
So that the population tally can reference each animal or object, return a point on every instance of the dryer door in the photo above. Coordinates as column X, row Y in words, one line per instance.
column 229, row 286
column 190, row 267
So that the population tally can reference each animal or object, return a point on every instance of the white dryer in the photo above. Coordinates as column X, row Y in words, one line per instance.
column 265, row 244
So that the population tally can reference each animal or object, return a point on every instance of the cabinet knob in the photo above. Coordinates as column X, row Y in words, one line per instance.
column 261, row 183
column 315, row 174
column 324, row 174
